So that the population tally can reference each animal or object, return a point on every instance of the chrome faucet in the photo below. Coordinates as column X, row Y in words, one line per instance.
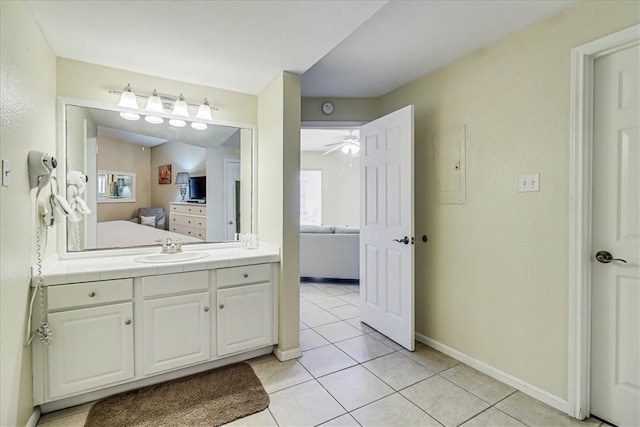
column 170, row 247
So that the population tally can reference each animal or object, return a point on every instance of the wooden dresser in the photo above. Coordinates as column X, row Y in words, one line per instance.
column 189, row 219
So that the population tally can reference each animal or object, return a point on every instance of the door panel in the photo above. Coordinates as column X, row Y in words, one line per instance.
column 386, row 209
column 615, row 322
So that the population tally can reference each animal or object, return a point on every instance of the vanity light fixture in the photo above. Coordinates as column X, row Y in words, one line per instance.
column 154, row 105
column 128, row 100
column 157, row 103
column 182, row 179
column 204, row 113
column 180, row 109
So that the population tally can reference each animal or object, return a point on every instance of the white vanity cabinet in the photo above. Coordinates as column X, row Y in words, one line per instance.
column 176, row 321
column 245, row 308
column 92, row 345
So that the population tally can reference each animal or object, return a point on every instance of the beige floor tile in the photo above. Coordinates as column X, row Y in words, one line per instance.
column 306, row 404
column 483, row 386
column 364, row 348
column 493, row 418
column 393, row 410
column 430, row 358
column 303, row 326
column 346, row 311
column 345, row 420
column 355, row 387
column 358, row 324
column 535, row 413
column 62, row 413
column 338, row 331
column 306, row 306
column 276, row 375
column 444, row 401
column 325, row 360
column 314, row 294
column 328, row 302
column 398, row 370
column 391, row 343
column 311, row 339
column 337, row 290
column 351, row 298
column 259, row 419
column 317, row 318
column 76, row 420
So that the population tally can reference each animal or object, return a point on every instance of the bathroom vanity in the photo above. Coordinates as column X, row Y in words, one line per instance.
column 119, row 324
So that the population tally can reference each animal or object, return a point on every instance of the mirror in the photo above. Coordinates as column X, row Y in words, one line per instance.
column 133, row 191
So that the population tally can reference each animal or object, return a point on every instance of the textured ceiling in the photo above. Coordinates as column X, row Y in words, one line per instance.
column 342, row 48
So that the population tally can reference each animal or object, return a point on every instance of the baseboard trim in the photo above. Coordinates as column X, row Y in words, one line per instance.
column 287, row 354
column 531, row 390
column 34, row 418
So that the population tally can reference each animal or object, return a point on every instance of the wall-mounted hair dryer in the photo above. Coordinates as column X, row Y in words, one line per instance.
column 41, row 165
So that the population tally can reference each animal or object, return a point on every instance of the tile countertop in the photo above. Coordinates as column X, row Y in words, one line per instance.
column 56, row 271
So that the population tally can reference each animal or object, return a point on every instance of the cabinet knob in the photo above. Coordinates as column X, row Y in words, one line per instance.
column 245, row 275
column 206, row 309
column 92, row 294
column 127, row 322
column 221, row 306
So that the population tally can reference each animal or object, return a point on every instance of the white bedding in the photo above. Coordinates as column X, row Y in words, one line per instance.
column 118, row 234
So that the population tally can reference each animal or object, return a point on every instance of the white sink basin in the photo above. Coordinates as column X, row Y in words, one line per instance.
column 165, row 258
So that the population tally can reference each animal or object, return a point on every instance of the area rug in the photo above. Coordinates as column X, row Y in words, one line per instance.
column 209, row 398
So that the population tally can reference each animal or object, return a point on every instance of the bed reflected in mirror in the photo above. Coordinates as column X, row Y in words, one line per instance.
column 133, row 192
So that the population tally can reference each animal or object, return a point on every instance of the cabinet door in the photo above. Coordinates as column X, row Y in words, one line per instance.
column 176, row 332
column 244, row 319
column 91, row 347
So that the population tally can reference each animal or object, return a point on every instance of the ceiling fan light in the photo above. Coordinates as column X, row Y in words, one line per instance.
column 154, row 120
column 180, row 107
column 129, row 116
column 177, row 123
column 355, row 148
column 128, row 99
column 204, row 111
column 199, row 126
column 346, row 148
column 154, row 104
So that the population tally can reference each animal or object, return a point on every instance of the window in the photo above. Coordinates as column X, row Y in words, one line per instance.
column 311, row 197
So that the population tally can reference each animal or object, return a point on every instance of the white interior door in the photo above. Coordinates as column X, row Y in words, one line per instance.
column 232, row 197
column 386, row 226
column 615, row 319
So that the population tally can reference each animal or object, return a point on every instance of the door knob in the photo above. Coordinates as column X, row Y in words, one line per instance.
column 405, row 240
column 606, row 257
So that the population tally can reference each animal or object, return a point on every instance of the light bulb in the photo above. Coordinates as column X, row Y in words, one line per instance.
column 154, row 103
column 204, row 111
column 355, row 149
column 345, row 149
column 177, row 123
column 180, row 107
column 128, row 99
column 199, row 126
column 130, row 116
column 155, row 120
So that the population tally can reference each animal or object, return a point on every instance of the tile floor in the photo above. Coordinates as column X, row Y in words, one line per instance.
column 350, row 375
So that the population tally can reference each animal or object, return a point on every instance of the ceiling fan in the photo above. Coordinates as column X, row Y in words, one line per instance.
column 350, row 144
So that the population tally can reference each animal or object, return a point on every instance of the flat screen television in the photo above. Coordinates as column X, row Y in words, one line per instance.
column 198, row 188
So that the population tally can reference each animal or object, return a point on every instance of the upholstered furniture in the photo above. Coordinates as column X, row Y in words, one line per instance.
column 158, row 213
column 329, row 252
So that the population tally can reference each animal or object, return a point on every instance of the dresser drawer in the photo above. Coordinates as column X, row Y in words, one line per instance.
column 188, row 221
column 189, row 231
column 175, row 283
column 189, row 209
column 89, row 293
column 243, row 275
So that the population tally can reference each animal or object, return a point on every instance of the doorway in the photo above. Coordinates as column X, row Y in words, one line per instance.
column 604, row 378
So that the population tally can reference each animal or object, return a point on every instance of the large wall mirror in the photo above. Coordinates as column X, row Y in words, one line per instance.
column 133, row 190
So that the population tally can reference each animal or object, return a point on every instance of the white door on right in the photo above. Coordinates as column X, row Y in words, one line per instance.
column 615, row 315
column 386, row 226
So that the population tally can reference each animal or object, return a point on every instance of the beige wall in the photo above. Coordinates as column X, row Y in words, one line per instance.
column 344, row 109
column 28, row 121
column 492, row 281
column 279, row 194
column 340, row 186
column 120, row 156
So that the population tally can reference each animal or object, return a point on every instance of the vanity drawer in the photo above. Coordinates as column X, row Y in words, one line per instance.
column 189, row 209
column 192, row 281
column 188, row 221
column 243, row 275
column 89, row 293
column 189, row 231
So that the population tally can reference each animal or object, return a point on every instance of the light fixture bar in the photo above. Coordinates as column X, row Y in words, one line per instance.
column 168, row 101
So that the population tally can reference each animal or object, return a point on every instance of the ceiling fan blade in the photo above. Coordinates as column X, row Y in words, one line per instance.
column 333, row 143
column 337, row 147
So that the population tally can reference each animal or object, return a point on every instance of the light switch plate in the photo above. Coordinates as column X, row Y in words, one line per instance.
column 528, row 183
column 5, row 173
